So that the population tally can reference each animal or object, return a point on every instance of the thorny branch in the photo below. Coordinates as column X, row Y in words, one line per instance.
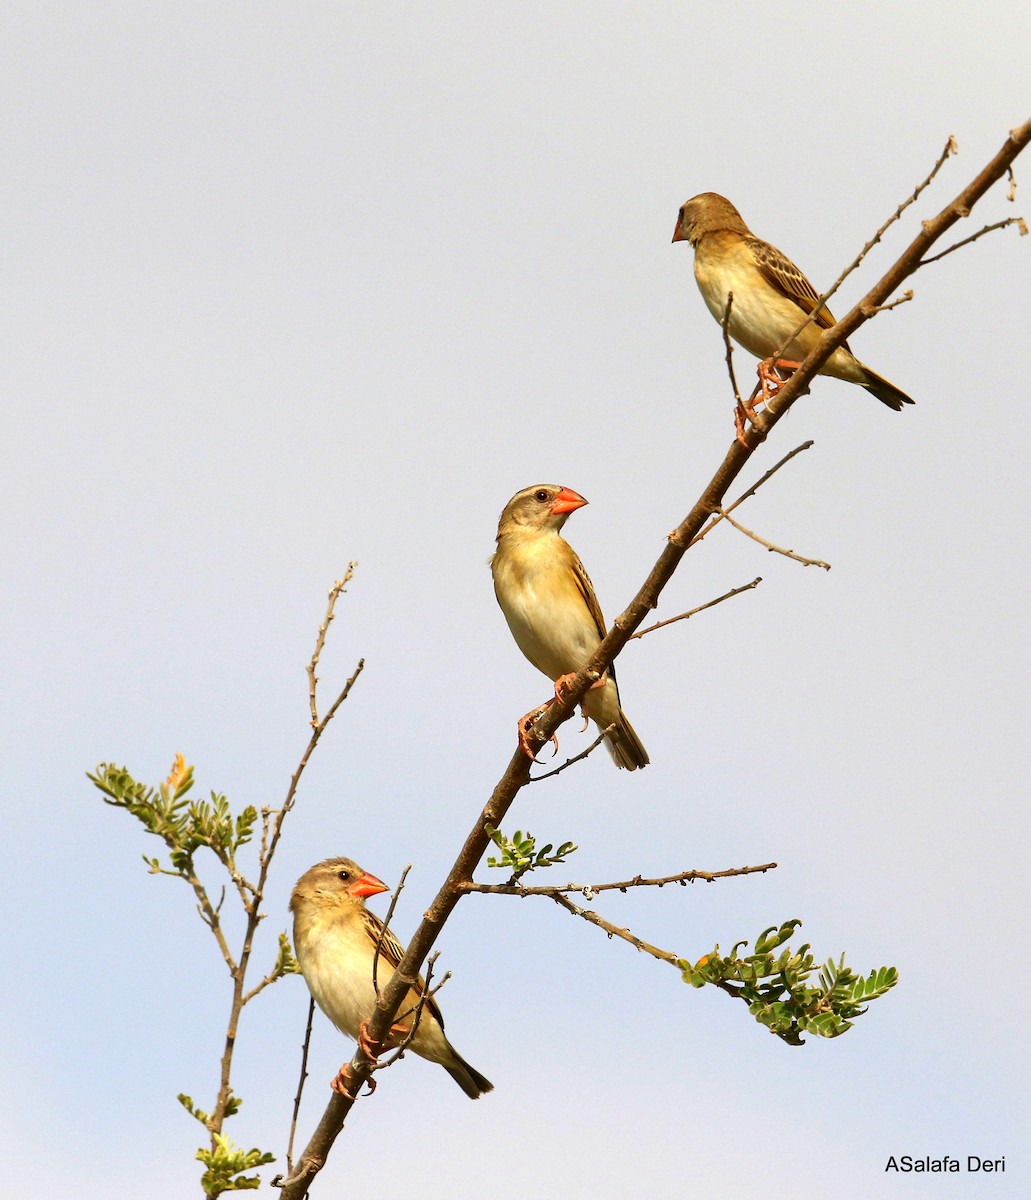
column 516, row 773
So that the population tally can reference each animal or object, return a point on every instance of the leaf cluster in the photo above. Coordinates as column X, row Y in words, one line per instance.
column 520, row 852
column 184, row 825
column 225, row 1163
column 779, row 990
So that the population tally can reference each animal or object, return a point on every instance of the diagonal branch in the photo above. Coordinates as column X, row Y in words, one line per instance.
column 517, row 772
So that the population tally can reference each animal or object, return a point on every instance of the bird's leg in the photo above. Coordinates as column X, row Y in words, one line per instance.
column 526, row 723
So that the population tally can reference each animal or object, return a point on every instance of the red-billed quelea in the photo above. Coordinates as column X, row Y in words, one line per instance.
column 335, row 938
column 550, row 606
column 771, row 295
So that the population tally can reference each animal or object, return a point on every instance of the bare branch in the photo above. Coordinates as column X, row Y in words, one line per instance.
column 1018, row 221
column 745, row 587
column 808, row 562
column 589, row 890
column 320, row 640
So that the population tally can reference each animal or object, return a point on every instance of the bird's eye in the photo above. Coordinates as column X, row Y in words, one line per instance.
column 540, row 495
column 344, row 875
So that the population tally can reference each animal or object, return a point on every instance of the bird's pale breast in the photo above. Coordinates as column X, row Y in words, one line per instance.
column 545, row 610
column 761, row 316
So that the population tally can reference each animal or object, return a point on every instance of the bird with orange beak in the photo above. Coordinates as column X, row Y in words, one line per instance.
column 771, row 298
column 550, row 606
column 335, row 940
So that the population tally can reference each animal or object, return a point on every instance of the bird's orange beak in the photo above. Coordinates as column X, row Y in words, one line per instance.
column 567, row 501
column 678, row 235
column 368, row 885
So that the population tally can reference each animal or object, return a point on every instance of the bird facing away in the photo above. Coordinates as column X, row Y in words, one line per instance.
column 335, row 939
column 550, row 606
column 771, row 295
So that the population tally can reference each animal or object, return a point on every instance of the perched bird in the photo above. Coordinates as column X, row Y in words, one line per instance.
column 771, row 295
column 335, row 940
column 550, row 606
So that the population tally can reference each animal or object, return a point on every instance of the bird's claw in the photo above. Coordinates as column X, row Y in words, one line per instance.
column 526, row 724
column 344, row 1084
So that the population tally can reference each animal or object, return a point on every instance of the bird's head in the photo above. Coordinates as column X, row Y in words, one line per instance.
column 335, row 881
column 706, row 213
column 543, row 507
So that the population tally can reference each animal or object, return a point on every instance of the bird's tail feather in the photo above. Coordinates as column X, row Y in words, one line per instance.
column 886, row 392
column 625, row 746
column 468, row 1078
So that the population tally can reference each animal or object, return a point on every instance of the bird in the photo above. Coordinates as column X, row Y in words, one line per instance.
column 335, row 939
column 550, row 606
column 771, row 297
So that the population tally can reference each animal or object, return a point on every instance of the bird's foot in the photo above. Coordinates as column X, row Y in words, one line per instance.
column 366, row 1044
column 771, row 372
column 564, row 683
column 344, row 1084
column 526, row 724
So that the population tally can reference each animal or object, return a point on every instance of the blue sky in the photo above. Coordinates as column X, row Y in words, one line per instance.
column 287, row 286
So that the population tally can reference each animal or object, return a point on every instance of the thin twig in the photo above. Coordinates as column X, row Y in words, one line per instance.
column 1011, row 194
column 807, row 562
column 320, row 640
column 590, row 889
column 751, row 491
column 1018, row 221
column 745, row 587
column 725, row 323
column 569, row 761
column 300, row 1086
column 615, row 931
column 386, row 925
column 873, row 310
